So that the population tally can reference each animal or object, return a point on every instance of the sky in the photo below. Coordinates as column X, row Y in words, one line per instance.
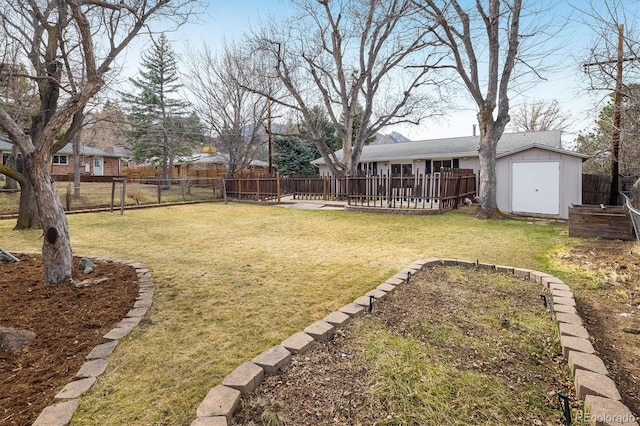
column 227, row 20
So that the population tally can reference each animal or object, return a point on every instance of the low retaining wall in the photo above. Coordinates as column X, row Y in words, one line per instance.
column 65, row 402
column 602, row 401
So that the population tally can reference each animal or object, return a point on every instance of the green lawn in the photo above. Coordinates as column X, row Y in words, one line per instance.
column 233, row 280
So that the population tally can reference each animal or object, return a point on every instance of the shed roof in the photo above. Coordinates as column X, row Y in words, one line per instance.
column 465, row 146
column 545, row 147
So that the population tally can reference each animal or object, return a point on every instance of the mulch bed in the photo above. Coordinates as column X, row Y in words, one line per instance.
column 68, row 321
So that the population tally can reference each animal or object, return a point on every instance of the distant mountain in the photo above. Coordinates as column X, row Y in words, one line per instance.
column 393, row 137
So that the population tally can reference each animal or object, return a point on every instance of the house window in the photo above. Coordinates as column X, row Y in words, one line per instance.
column 97, row 162
column 5, row 158
column 368, row 169
column 61, row 159
column 434, row 166
column 401, row 169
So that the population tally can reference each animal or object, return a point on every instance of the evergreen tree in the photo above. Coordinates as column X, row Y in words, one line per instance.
column 291, row 156
column 293, row 153
column 161, row 127
column 597, row 142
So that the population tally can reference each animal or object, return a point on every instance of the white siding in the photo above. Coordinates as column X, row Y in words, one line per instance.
column 569, row 184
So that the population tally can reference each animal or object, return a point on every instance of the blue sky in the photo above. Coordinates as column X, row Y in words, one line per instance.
column 228, row 19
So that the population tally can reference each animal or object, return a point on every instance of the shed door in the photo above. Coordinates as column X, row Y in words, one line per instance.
column 536, row 187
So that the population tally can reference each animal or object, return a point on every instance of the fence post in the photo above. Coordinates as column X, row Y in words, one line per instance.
column 159, row 192
column 68, row 197
column 346, row 186
column 124, row 194
column 224, row 190
column 278, row 188
column 113, row 193
column 324, row 187
column 455, row 206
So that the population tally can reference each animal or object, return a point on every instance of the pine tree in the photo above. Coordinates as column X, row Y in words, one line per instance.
column 293, row 153
column 293, row 157
column 162, row 126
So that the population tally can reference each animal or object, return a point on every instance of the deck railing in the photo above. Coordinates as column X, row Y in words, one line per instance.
column 443, row 190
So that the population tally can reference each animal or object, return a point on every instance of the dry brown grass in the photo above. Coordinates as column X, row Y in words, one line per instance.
column 233, row 280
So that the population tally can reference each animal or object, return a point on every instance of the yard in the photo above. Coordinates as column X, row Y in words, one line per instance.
column 235, row 279
column 98, row 194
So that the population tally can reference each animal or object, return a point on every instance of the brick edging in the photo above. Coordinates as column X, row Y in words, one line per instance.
column 593, row 385
column 65, row 402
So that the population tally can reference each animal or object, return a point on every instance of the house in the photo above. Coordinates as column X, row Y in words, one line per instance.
column 535, row 175
column 219, row 161
column 93, row 161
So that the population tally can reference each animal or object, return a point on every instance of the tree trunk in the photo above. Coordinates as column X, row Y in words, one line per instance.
column 76, row 165
column 28, row 217
column 12, row 163
column 56, row 247
column 164, row 173
column 170, row 172
column 487, row 191
column 490, row 133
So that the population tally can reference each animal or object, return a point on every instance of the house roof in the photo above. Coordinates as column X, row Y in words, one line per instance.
column 6, row 146
column 465, row 146
column 217, row 158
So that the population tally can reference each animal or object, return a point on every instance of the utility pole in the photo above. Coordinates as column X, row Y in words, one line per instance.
column 269, row 135
column 617, row 122
column 617, row 114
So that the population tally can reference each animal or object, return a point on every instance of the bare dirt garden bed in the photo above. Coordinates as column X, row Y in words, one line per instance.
column 454, row 346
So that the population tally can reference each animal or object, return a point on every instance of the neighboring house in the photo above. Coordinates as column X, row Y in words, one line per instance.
column 534, row 174
column 220, row 161
column 93, row 161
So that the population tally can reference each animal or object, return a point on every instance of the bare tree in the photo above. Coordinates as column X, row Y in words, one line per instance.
column 538, row 116
column 105, row 127
column 493, row 31
column 235, row 115
column 355, row 58
column 67, row 47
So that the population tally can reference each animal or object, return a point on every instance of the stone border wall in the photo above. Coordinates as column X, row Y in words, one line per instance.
column 602, row 401
column 66, row 401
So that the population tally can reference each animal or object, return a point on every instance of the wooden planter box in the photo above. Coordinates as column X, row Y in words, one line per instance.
column 610, row 223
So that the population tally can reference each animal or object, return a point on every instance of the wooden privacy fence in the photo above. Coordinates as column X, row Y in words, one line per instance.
column 196, row 175
column 443, row 190
column 596, row 188
column 263, row 188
